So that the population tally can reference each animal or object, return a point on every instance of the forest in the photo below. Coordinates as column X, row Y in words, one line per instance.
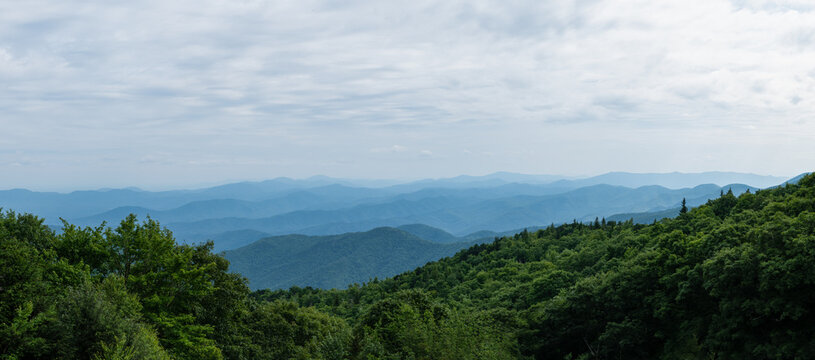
column 730, row 279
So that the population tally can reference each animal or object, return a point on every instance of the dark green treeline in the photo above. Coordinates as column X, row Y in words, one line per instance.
column 733, row 279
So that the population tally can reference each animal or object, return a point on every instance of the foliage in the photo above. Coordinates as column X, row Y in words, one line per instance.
column 411, row 325
column 129, row 293
column 282, row 330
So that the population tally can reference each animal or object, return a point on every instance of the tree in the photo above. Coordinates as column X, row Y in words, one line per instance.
column 684, row 208
column 169, row 283
column 173, row 283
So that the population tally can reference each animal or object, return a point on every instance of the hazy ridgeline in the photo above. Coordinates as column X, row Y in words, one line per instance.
column 234, row 215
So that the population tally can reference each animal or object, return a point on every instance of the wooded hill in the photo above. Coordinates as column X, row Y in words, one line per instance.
column 732, row 279
column 335, row 261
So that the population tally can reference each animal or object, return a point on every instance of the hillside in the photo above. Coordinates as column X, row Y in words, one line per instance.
column 730, row 279
column 338, row 260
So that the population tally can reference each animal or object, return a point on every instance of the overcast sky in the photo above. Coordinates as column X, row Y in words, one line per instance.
column 180, row 93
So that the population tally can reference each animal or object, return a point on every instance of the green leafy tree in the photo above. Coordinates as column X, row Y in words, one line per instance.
column 169, row 283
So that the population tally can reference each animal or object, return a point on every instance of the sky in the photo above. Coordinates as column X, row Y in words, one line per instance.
column 163, row 94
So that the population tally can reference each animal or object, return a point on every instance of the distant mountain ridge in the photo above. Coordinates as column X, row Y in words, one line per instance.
column 461, row 215
column 677, row 180
column 325, row 197
column 230, row 213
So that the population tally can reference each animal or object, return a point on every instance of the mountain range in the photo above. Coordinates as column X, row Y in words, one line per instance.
column 461, row 214
column 236, row 214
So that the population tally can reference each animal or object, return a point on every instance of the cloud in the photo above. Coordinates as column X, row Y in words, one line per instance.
column 307, row 80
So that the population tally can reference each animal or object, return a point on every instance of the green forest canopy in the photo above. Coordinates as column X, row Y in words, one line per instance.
column 733, row 279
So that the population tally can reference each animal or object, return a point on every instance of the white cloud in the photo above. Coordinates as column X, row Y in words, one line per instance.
column 318, row 82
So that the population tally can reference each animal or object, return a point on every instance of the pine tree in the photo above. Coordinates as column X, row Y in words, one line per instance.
column 684, row 208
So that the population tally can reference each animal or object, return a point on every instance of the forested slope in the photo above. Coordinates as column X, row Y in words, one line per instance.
column 733, row 279
column 334, row 261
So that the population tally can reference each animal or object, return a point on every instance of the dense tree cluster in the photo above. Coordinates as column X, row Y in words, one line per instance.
column 732, row 279
column 133, row 293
